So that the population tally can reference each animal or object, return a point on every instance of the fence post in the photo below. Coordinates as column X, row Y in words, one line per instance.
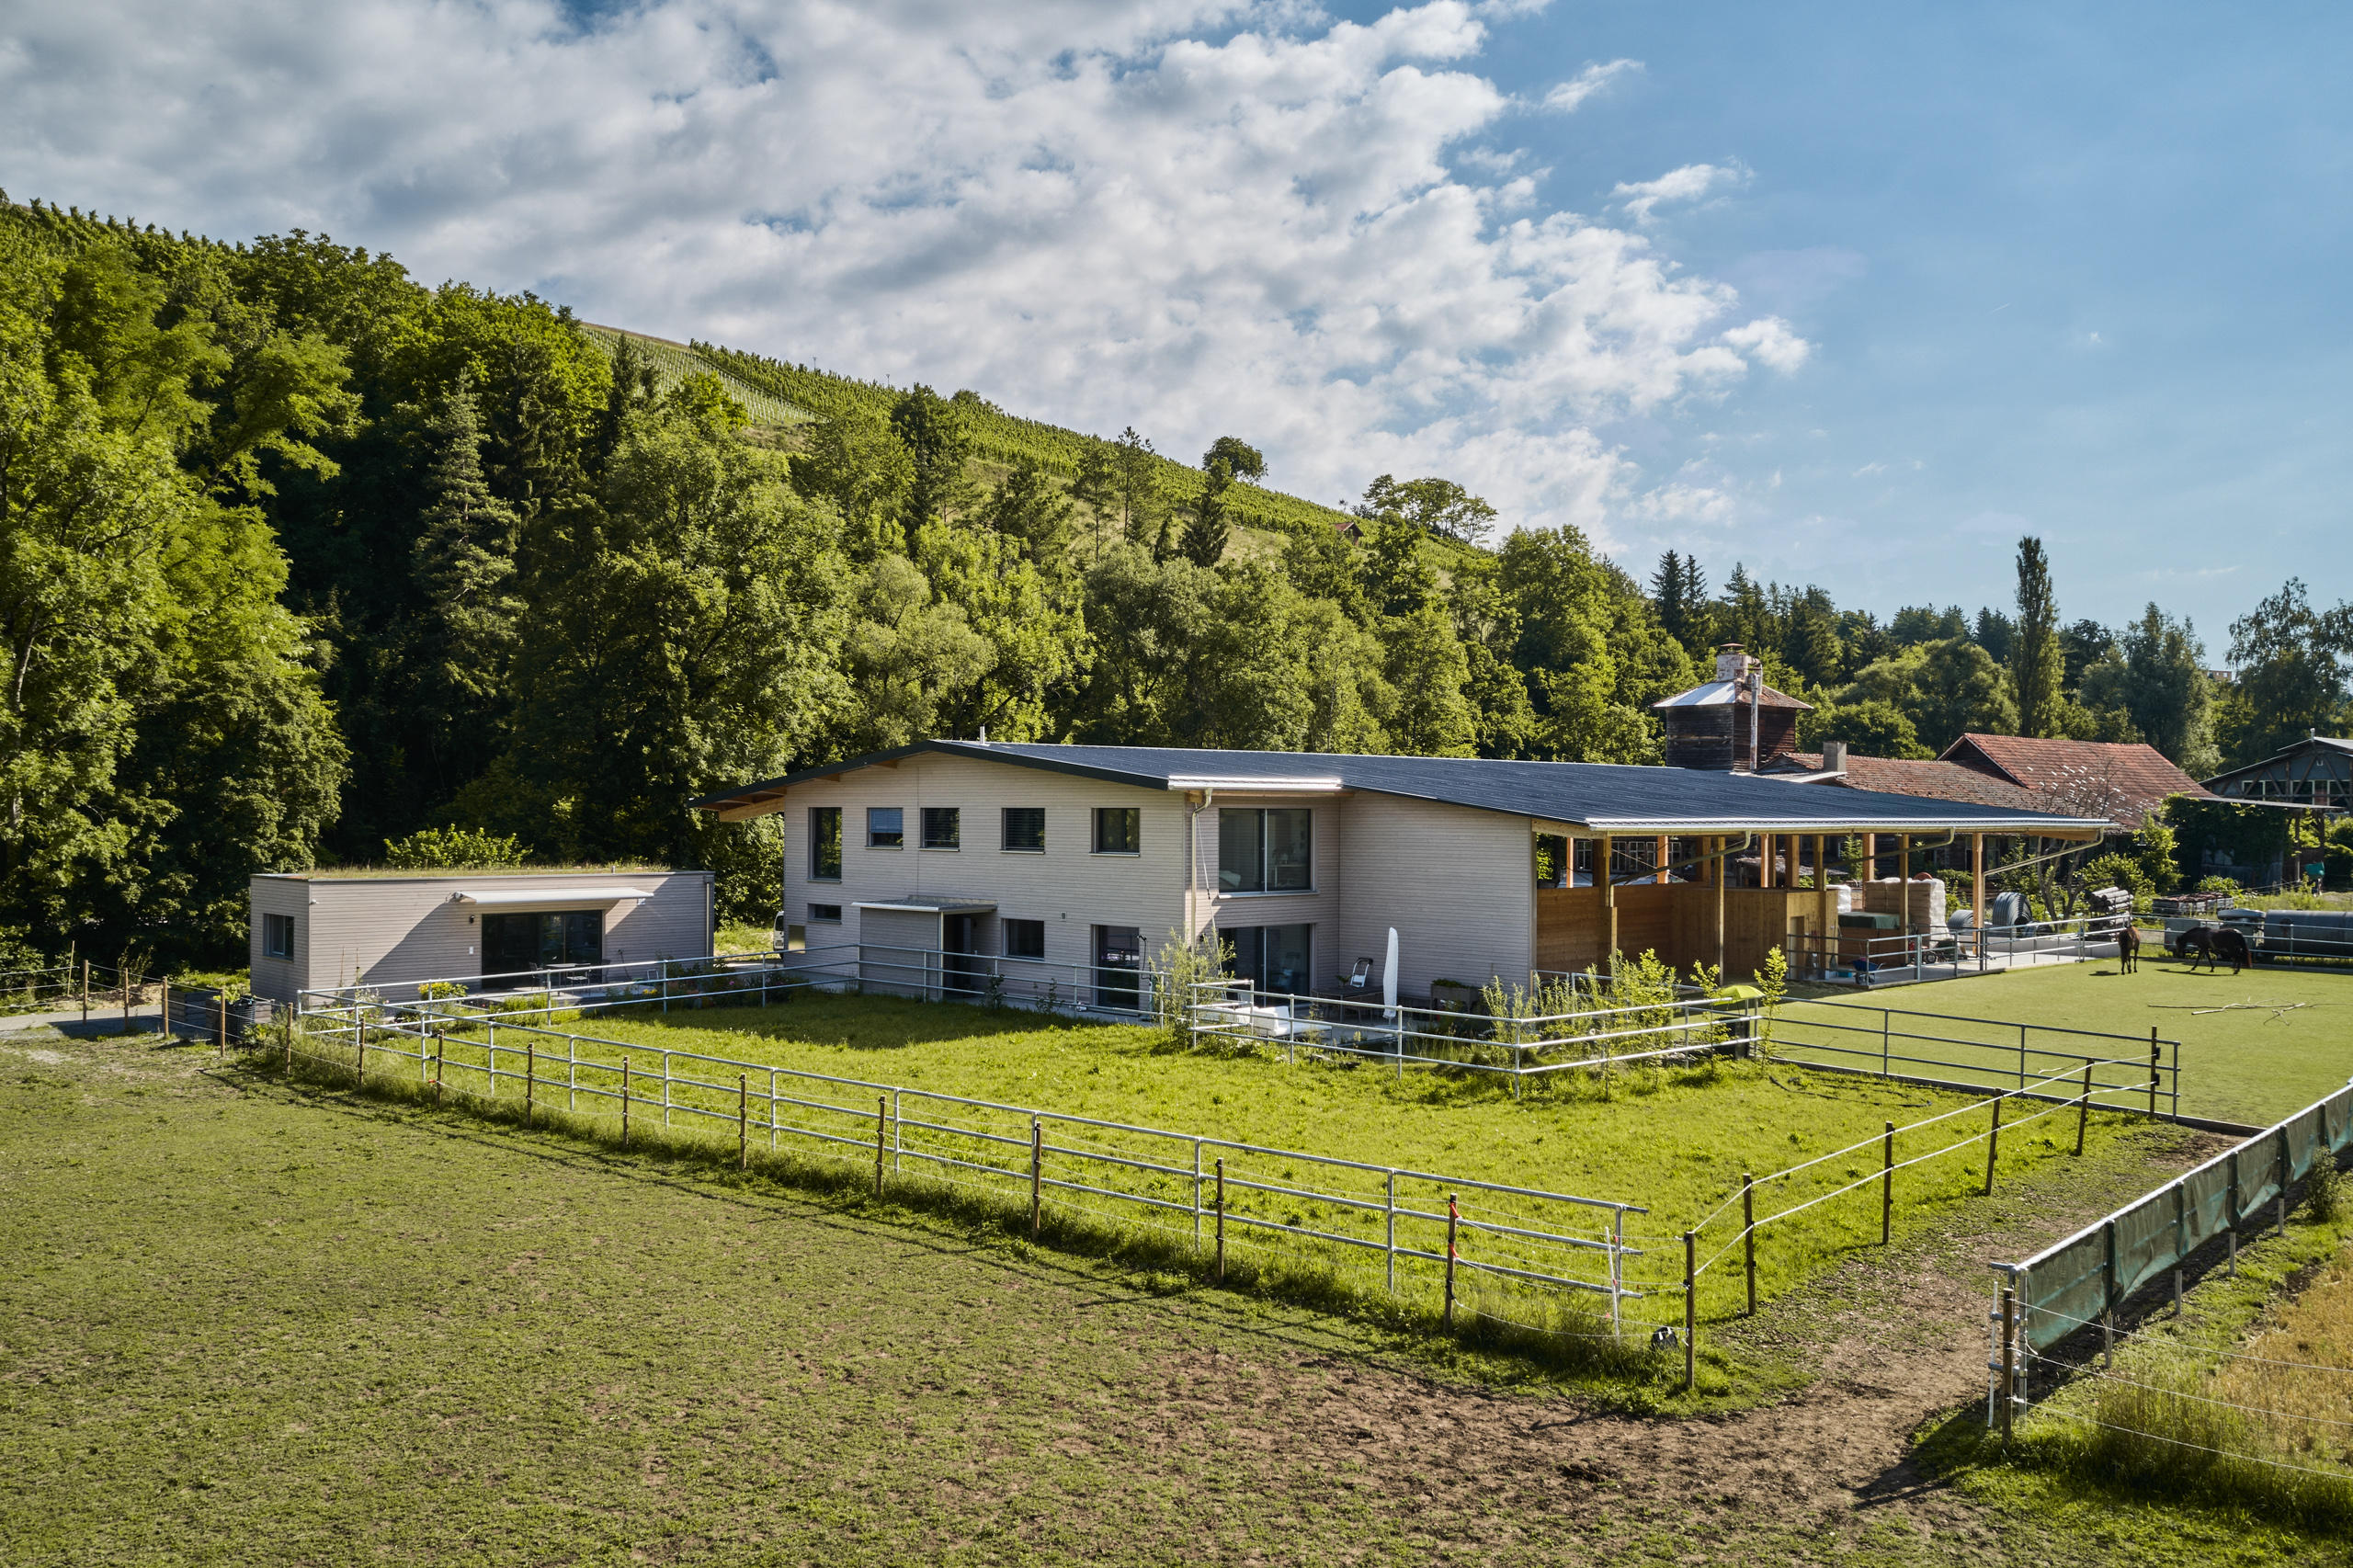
column 2280, row 1202
column 1993, row 1145
column 1197, row 1197
column 220, row 1023
column 2009, row 1354
column 530, row 1077
column 1882, row 1041
column 881, row 1120
column 666, row 1088
column 1617, row 1258
column 164, row 1015
column 572, row 1072
column 898, row 1135
column 1887, row 1185
column 1220, row 1219
column 624, row 1103
column 440, row 1050
column 2107, row 1301
column 743, row 1121
column 1037, row 1175
column 2084, row 1106
column 1748, row 1235
column 1389, row 1236
column 86, row 994
column 2156, row 1056
column 1690, row 1309
column 1453, row 1217
column 359, row 1074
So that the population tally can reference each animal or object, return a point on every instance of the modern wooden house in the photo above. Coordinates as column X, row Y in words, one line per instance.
column 315, row 930
column 1087, row 859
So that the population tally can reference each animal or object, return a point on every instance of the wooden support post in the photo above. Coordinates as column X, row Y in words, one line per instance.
column 1609, row 886
column 624, row 1102
column 1037, row 1171
column 1220, row 1220
column 1723, row 873
column 1903, row 885
column 1977, row 887
column 1870, row 856
column 2009, row 1355
column 1748, row 1235
column 1887, row 1185
column 1453, row 1217
column 1993, row 1145
column 1659, row 860
column 1826, row 907
column 1765, row 856
column 881, row 1126
column 1690, row 1310
column 2084, row 1106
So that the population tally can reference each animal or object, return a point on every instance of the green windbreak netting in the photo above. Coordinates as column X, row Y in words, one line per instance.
column 2064, row 1288
column 2072, row 1284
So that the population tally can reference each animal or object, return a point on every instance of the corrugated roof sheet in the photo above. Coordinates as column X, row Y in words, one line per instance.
column 1723, row 693
column 1603, row 798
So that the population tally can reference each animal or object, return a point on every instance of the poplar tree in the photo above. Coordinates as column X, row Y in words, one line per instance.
column 2038, row 664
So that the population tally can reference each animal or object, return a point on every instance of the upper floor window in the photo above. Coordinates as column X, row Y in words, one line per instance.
column 886, row 827
column 825, row 843
column 943, row 827
column 1265, row 850
column 1118, row 830
column 1025, row 827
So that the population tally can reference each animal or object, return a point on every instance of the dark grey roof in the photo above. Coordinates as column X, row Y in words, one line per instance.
column 1603, row 798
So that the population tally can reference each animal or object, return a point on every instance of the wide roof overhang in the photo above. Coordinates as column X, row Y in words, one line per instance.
column 1592, row 799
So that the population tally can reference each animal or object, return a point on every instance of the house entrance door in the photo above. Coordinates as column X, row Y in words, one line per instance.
column 1118, row 967
column 959, row 946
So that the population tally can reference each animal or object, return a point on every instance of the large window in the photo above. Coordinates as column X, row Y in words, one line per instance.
column 886, row 827
column 1025, row 940
column 825, row 843
column 1272, row 958
column 512, row 944
column 943, row 827
column 277, row 936
column 1025, row 828
column 1118, row 830
column 1265, row 851
column 825, row 913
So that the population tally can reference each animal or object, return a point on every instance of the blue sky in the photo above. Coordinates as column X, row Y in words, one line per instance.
column 1855, row 294
column 2078, row 271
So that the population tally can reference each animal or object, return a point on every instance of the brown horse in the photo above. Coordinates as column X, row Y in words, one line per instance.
column 2127, row 947
column 2212, row 943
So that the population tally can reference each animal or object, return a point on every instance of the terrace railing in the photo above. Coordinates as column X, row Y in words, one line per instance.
column 1597, row 1039
column 1862, row 956
column 1422, row 1228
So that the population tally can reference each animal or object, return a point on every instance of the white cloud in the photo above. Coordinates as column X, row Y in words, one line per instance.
column 1197, row 216
column 1643, row 200
column 1570, row 93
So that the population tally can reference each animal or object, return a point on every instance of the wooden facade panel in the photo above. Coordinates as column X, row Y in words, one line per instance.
column 1676, row 921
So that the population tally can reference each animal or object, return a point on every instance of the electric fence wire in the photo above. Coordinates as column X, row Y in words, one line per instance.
column 2184, row 1393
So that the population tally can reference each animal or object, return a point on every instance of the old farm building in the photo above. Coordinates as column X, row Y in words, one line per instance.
column 1086, row 858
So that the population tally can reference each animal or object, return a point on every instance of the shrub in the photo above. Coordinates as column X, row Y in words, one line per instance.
column 2217, row 884
column 2114, row 870
column 452, row 848
column 2323, row 1189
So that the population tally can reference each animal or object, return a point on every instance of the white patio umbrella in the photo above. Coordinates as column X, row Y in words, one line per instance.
column 1389, row 976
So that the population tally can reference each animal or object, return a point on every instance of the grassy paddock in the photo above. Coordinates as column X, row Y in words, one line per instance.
column 2251, row 1063
column 1676, row 1139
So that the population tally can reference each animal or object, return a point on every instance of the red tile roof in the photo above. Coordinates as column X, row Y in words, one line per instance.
column 1927, row 781
column 2121, row 782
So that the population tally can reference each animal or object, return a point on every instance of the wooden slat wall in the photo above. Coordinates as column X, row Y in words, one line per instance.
column 1676, row 921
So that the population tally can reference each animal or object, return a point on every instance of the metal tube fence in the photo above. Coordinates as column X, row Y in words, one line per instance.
column 1291, row 1207
column 1975, row 1055
column 1864, row 957
column 1530, row 1045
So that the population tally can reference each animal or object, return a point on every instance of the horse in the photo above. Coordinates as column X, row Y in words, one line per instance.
column 2127, row 947
column 2211, row 944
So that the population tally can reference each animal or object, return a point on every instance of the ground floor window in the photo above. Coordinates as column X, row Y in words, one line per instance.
column 1025, row 938
column 1119, row 966
column 1272, row 958
column 512, row 944
column 277, row 936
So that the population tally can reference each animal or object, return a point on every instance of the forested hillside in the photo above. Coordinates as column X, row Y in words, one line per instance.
column 301, row 557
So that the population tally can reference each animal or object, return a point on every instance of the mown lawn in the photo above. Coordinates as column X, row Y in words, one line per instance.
column 2286, row 1041
column 1676, row 1141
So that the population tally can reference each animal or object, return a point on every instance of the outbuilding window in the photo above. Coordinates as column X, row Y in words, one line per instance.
column 277, row 936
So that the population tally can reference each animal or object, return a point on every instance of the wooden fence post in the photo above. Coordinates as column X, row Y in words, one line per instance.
column 1690, row 1310
column 1453, row 1217
column 1993, row 1145
column 1037, row 1171
column 1220, row 1219
column 2084, row 1106
column 1748, row 1235
column 163, row 1015
column 530, row 1075
column 624, row 1103
column 86, row 991
column 1887, row 1185
column 220, row 1023
column 2009, row 1354
column 743, row 1121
